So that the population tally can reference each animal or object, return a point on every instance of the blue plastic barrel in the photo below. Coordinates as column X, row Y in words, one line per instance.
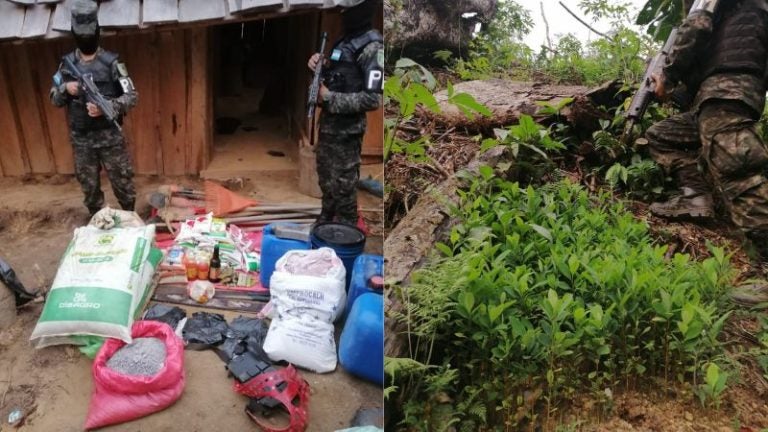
column 347, row 241
column 272, row 249
column 366, row 266
column 361, row 347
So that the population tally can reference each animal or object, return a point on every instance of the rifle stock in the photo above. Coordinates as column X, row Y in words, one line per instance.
column 92, row 93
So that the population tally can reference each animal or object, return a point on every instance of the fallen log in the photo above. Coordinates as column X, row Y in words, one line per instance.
column 410, row 242
column 508, row 100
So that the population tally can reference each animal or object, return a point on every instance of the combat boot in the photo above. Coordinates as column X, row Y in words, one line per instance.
column 690, row 204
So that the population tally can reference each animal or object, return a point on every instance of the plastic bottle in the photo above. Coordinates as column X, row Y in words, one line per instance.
column 202, row 268
column 215, row 266
column 190, row 264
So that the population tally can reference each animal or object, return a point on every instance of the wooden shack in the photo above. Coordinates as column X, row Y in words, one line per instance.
column 214, row 77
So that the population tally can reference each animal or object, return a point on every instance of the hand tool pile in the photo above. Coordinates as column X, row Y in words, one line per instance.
column 174, row 204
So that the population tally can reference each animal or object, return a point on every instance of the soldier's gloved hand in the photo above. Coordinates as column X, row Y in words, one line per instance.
column 73, row 88
column 93, row 110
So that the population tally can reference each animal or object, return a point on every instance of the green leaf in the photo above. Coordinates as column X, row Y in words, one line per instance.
column 713, row 374
column 468, row 105
column 486, row 172
column 467, row 300
column 495, row 312
column 444, row 249
column 424, row 97
column 543, row 231
column 405, row 63
column 401, row 365
column 488, row 144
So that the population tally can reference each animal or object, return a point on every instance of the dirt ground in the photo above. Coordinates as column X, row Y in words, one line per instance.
column 53, row 386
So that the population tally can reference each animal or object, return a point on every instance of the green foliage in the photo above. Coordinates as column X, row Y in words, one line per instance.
column 526, row 134
column 713, row 386
column 662, row 15
column 549, row 292
column 498, row 52
column 411, row 87
column 642, row 177
column 498, row 45
column 620, row 57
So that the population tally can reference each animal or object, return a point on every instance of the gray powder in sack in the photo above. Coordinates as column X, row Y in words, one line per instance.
column 145, row 356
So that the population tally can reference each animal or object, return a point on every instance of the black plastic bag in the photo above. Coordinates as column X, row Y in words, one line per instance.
column 8, row 277
column 167, row 314
column 243, row 334
column 230, row 349
column 204, row 330
column 248, row 365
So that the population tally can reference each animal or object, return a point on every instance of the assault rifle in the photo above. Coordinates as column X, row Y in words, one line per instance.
column 647, row 91
column 314, row 89
column 92, row 93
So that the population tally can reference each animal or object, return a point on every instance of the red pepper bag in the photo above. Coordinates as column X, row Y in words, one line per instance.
column 119, row 398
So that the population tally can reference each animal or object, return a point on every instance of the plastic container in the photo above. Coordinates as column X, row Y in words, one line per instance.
column 366, row 267
column 348, row 242
column 190, row 266
column 361, row 347
column 202, row 268
column 272, row 249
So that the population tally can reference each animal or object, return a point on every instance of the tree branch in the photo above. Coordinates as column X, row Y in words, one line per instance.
column 546, row 25
column 584, row 22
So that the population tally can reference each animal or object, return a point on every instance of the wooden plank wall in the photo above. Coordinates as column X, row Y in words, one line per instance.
column 301, row 32
column 168, row 133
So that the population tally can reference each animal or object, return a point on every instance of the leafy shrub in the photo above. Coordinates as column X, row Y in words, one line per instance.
column 549, row 291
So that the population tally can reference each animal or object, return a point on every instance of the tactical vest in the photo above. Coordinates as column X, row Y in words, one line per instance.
column 344, row 74
column 101, row 69
column 739, row 41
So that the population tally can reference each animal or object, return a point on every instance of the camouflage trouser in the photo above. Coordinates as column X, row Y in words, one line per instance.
column 723, row 138
column 94, row 149
column 338, row 170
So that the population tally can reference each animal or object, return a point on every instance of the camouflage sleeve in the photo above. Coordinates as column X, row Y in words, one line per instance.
column 130, row 96
column 692, row 37
column 58, row 94
column 371, row 62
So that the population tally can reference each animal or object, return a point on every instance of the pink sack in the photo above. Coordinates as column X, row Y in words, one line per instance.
column 119, row 398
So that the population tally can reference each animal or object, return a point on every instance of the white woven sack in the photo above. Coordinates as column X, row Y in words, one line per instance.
column 303, row 341
column 297, row 289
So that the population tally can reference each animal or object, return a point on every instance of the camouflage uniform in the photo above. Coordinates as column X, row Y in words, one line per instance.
column 716, row 146
column 353, row 92
column 98, row 143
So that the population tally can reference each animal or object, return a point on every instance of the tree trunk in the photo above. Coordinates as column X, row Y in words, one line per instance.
column 418, row 28
column 413, row 238
column 508, row 100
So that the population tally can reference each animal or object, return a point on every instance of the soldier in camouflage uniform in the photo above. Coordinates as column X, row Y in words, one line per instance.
column 716, row 146
column 96, row 142
column 352, row 85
